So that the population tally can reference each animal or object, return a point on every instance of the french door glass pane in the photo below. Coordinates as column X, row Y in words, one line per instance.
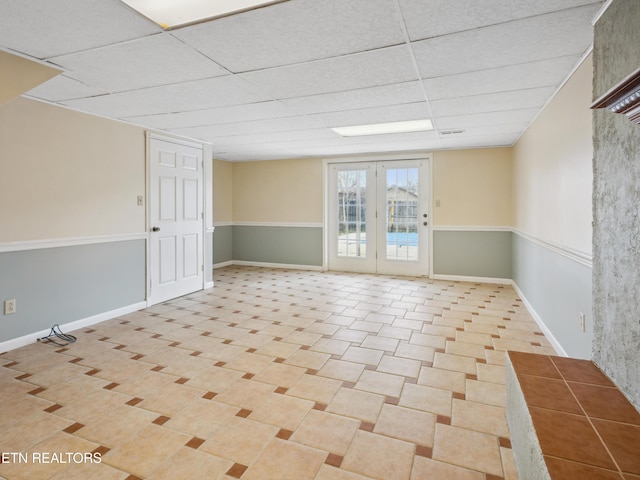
column 402, row 214
column 352, row 210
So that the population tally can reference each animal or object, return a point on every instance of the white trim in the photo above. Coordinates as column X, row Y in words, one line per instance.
column 210, row 230
column 278, row 224
column 208, row 285
column 67, row 242
column 601, row 12
column 463, row 278
column 547, row 333
column 288, row 266
column 582, row 258
column 368, row 157
column 71, row 326
column 470, row 228
column 228, row 263
column 223, row 224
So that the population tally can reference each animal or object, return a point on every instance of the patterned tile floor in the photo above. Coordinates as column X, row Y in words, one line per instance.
column 275, row 374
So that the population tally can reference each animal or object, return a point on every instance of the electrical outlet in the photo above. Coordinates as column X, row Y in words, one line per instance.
column 140, row 200
column 437, row 203
column 582, row 322
column 9, row 306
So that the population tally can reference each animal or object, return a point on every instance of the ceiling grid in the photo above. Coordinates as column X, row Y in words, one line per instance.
column 269, row 83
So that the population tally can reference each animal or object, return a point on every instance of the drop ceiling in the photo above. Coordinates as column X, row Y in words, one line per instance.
column 270, row 82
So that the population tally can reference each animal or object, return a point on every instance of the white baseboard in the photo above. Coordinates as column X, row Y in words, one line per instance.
column 287, row 266
column 223, row 264
column 463, row 278
column 71, row 326
column 547, row 333
column 208, row 285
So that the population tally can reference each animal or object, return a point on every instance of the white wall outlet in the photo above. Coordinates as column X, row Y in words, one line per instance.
column 140, row 201
column 583, row 326
column 9, row 306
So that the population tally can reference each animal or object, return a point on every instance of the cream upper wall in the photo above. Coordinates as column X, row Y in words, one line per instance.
column 552, row 174
column 473, row 187
column 222, row 191
column 19, row 75
column 67, row 174
column 279, row 191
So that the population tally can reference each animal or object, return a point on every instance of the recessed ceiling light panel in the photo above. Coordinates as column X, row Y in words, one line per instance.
column 383, row 128
column 178, row 13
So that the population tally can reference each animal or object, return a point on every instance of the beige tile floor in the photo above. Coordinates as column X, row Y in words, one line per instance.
column 277, row 374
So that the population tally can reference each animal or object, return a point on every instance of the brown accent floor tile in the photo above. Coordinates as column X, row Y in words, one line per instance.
column 284, row 434
column 134, row 401
column 423, row 451
column 73, row 428
column 334, row 460
column 195, row 443
column 53, row 408
column 237, row 470
column 244, row 413
column 161, row 420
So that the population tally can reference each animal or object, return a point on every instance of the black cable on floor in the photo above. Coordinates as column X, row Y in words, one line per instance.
column 58, row 334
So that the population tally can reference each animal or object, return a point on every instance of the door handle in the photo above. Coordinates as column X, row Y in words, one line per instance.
column 155, row 229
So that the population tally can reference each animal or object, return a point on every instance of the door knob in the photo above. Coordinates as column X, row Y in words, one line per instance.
column 155, row 229
column 424, row 215
column 425, row 223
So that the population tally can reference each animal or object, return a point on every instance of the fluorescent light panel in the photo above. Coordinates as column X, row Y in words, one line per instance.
column 176, row 13
column 382, row 128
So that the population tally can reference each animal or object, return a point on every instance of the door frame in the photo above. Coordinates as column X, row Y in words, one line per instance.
column 207, row 223
column 388, row 157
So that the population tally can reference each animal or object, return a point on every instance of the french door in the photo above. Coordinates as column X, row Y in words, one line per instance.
column 176, row 249
column 378, row 217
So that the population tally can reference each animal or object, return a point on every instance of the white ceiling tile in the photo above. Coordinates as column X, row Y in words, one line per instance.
column 199, row 94
column 399, row 93
column 492, row 102
column 349, row 72
column 63, row 88
column 513, row 77
column 215, row 116
column 288, row 124
column 365, row 116
column 484, row 119
column 156, row 60
column 568, row 32
column 296, row 31
column 441, row 17
column 258, row 138
column 44, row 28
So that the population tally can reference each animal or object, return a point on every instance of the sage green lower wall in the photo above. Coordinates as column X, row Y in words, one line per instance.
column 558, row 288
column 268, row 244
column 472, row 253
column 222, row 244
column 66, row 284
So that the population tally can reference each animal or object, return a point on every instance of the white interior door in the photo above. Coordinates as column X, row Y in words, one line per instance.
column 176, row 243
column 378, row 217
